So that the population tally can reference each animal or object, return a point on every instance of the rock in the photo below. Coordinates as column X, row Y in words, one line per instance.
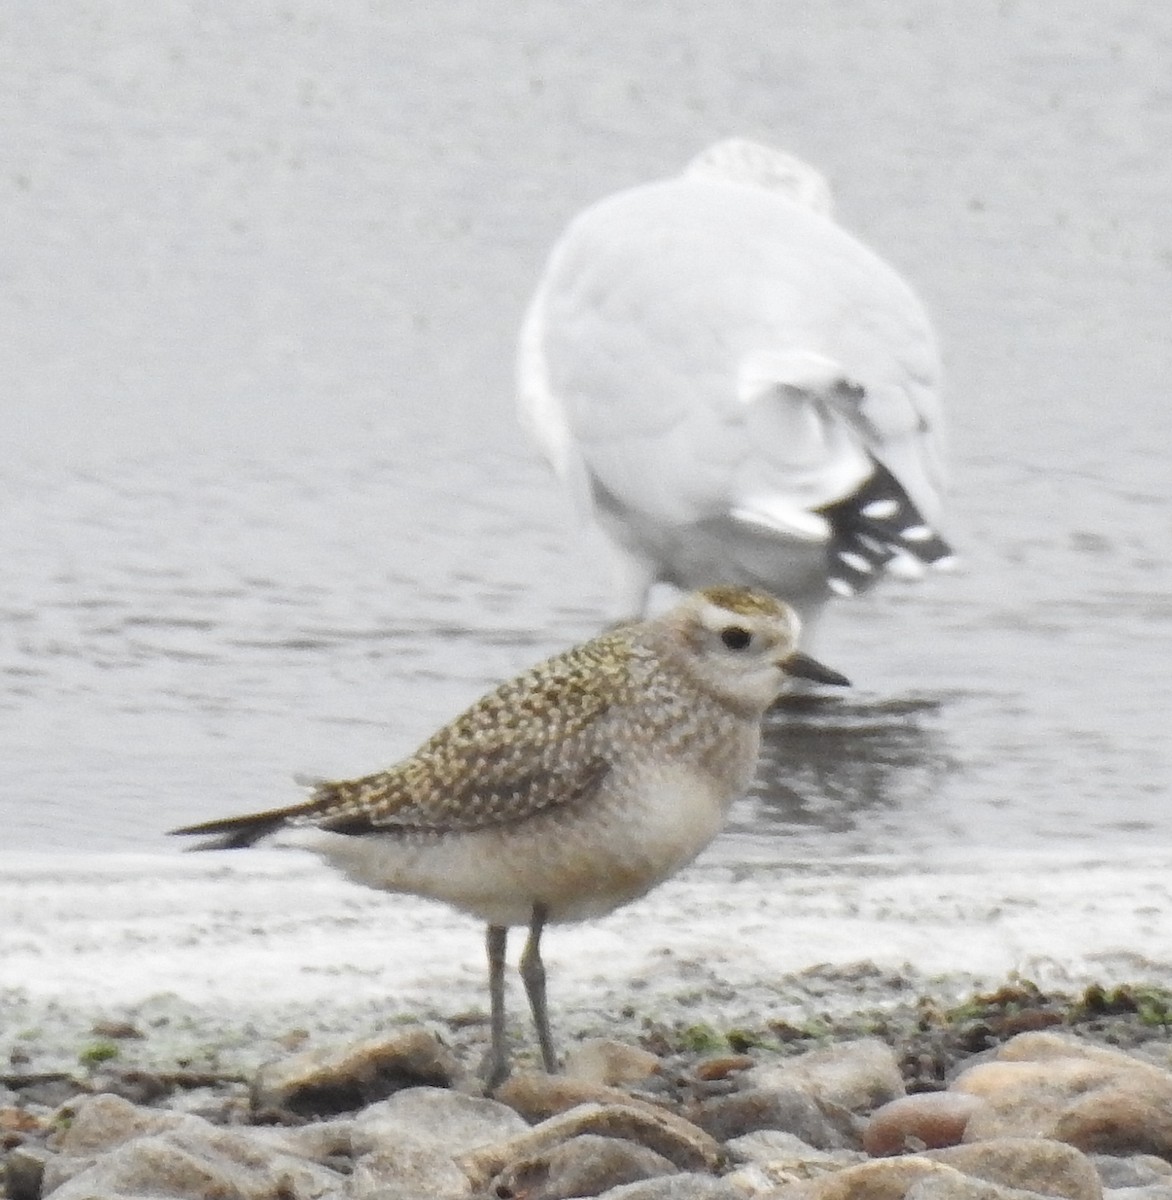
column 59, row 1168
column 776, row 1145
column 1042, row 1046
column 721, row 1066
column 879, row 1179
column 611, row 1063
column 679, row 1141
column 1152, row 1191
column 675, row 1187
column 405, row 1145
column 16, row 1122
column 1092, row 1097
column 1137, row 1171
column 455, row 1121
column 537, row 1096
column 787, row 1109
column 24, row 1171
column 321, row 1141
column 1127, row 1118
column 777, row 1159
column 409, row 1168
column 954, row 1187
column 92, row 1124
column 326, row 1081
column 921, row 1122
column 197, row 1160
column 1029, row 1164
column 587, row 1165
column 117, row 1030
column 858, row 1075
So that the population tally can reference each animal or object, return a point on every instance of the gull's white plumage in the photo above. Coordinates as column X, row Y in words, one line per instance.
column 736, row 388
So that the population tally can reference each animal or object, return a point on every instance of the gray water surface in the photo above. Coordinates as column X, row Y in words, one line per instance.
column 264, row 507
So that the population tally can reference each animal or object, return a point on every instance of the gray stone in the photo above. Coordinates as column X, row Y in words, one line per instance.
column 1031, row 1164
column 878, row 1179
column 92, row 1124
column 1136, row 1171
column 922, row 1122
column 198, row 1163
column 456, row 1121
column 767, row 1145
column 774, row 1159
column 330, row 1080
column 612, row 1063
column 788, row 1109
column 676, row 1187
column 857, row 1075
column 679, row 1141
column 537, row 1096
column 1055, row 1086
column 24, row 1171
column 408, row 1168
column 961, row 1187
column 587, row 1165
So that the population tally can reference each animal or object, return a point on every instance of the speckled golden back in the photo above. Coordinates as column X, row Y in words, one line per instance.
column 530, row 744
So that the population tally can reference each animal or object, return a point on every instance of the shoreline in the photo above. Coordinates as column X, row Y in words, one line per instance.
column 233, row 952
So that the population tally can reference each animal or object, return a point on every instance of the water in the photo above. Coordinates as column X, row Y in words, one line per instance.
column 180, row 637
column 263, row 504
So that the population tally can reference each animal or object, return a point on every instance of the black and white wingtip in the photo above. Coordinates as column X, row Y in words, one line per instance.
column 878, row 530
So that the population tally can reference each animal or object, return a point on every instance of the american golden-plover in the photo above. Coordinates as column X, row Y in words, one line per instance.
column 570, row 790
column 735, row 388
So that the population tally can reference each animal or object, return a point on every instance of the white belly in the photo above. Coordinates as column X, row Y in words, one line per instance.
column 579, row 864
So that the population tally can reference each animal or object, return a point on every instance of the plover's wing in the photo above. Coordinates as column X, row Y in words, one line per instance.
column 532, row 744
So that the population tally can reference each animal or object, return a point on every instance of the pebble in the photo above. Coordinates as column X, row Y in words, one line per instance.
column 331, row 1080
column 537, row 1096
column 611, row 1063
column 1139, row 1171
column 722, row 1066
column 879, row 1179
column 456, row 1121
column 857, row 1075
column 1050, row 1085
column 925, row 1121
column 1045, row 1115
column 676, row 1187
column 586, row 1165
column 962, row 1187
column 773, row 1159
column 787, row 1109
column 1030, row 1164
column 679, row 1141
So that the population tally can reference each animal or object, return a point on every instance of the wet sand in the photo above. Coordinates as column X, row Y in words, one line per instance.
column 243, row 948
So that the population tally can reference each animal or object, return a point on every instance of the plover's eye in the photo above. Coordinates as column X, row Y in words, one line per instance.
column 736, row 638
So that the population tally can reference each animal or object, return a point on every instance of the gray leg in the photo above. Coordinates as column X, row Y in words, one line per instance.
column 498, row 1061
column 533, row 976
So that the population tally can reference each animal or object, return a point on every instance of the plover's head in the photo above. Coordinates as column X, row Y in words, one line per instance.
column 740, row 645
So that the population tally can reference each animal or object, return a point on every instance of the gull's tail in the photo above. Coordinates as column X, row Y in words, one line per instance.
column 876, row 529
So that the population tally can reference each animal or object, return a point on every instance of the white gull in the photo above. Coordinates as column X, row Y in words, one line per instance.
column 736, row 388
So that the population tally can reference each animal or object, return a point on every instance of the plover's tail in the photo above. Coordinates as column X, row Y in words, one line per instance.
column 875, row 527
column 233, row 833
column 335, row 807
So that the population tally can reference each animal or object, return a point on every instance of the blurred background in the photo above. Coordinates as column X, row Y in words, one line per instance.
column 264, row 504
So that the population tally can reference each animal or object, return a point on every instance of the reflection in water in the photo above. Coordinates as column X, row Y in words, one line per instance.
column 839, row 766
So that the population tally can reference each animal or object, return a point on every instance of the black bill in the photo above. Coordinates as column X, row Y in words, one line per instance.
column 802, row 666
